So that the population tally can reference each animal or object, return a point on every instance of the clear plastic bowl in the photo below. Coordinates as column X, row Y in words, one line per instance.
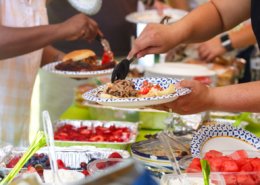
column 101, row 165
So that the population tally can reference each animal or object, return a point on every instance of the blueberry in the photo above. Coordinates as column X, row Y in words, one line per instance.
column 41, row 155
column 83, row 165
column 42, row 160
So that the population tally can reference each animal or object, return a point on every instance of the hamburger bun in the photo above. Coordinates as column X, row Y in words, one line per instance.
column 78, row 55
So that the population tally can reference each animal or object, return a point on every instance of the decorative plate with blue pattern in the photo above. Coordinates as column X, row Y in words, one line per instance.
column 135, row 102
column 223, row 137
column 76, row 74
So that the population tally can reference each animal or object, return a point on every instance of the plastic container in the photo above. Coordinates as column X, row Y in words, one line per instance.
column 227, row 178
column 99, row 166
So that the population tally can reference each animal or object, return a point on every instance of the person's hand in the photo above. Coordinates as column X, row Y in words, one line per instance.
column 211, row 49
column 153, row 40
column 160, row 6
column 197, row 101
column 80, row 27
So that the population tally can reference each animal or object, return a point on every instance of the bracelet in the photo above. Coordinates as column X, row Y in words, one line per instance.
column 226, row 42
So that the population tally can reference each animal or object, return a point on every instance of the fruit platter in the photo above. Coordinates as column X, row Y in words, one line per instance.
column 111, row 134
column 76, row 158
column 232, row 167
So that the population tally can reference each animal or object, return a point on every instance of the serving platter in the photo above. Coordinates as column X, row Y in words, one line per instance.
column 152, row 16
column 75, row 74
column 92, row 124
column 223, row 137
column 137, row 102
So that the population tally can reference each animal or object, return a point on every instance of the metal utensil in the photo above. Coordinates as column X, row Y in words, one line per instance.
column 122, row 69
column 104, row 42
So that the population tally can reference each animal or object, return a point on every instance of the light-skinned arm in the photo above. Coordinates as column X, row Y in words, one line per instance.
column 240, row 39
column 18, row 41
column 201, row 24
column 233, row 98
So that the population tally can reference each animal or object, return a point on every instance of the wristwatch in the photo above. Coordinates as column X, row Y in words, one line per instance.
column 226, row 42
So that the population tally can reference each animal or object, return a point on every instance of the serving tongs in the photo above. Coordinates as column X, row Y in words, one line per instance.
column 122, row 69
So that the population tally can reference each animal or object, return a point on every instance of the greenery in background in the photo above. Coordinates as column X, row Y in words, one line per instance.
column 252, row 126
column 205, row 171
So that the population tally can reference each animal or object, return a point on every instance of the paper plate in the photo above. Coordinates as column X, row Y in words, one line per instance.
column 152, row 16
column 179, row 70
column 223, row 137
column 133, row 102
column 76, row 74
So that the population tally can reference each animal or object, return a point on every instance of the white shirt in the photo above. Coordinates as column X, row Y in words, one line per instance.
column 17, row 75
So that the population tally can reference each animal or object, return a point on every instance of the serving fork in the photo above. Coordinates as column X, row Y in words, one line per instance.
column 122, row 69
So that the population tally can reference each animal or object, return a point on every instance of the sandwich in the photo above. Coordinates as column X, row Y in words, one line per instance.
column 82, row 60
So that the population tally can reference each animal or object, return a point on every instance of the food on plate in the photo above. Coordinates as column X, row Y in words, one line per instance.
column 112, row 133
column 84, row 60
column 126, row 89
column 238, row 161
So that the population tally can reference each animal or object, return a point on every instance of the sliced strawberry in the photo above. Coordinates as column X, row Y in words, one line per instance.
column 101, row 165
column 115, row 155
column 85, row 132
column 97, row 138
column 61, row 164
column 31, row 169
column 85, row 172
column 13, row 162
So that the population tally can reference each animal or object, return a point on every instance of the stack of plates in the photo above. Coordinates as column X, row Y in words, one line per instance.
column 181, row 71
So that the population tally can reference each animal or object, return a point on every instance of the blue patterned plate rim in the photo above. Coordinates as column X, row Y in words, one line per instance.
column 135, row 151
column 92, row 95
column 221, row 130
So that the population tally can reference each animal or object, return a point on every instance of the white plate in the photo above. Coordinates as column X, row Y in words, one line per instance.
column 152, row 16
column 223, row 137
column 92, row 95
column 179, row 70
column 76, row 74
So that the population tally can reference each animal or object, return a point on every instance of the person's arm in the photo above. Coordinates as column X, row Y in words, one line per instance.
column 234, row 98
column 18, row 41
column 238, row 39
column 201, row 24
column 51, row 54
